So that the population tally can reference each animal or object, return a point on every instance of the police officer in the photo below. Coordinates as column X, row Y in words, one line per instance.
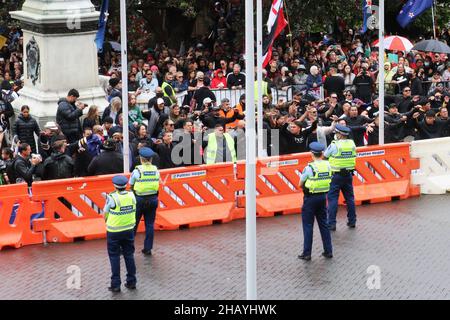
column 145, row 183
column 120, row 217
column 342, row 156
column 315, row 180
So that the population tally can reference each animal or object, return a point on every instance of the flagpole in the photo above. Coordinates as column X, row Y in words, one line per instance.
column 288, row 22
column 250, row 163
column 123, row 40
column 434, row 21
column 381, row 73
column 259, row 63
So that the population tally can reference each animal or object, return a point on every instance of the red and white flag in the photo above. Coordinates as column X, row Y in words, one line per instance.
column 275, row 25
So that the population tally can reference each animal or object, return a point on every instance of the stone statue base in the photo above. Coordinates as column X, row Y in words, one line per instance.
column 59, row 54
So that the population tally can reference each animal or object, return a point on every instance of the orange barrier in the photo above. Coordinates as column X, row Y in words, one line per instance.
column 195, row 196
column 277, row 184
column 18, row 233
column 383, row 173
column 198, row 196
column 70, row 211
column 189, row 197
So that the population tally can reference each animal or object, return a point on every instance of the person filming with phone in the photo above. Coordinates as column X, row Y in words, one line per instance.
column 25, row 165
column 68, row 116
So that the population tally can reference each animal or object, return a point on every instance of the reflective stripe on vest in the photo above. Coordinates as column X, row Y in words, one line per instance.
column 148, row 181
column 163, row 87
column 345, row 158
column 211, row 149
column 123, row 216
column 321, row 180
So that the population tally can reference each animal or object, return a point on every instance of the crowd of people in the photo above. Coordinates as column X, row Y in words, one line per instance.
column 333, row 80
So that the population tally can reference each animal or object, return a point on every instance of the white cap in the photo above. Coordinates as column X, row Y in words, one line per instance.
column 207, row 100
column 51, row 125
column 160, row 101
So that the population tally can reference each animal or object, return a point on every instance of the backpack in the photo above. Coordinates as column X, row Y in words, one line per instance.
column 11, row 171
column 8, row 96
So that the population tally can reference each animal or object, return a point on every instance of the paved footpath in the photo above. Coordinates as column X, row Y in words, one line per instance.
column 407, row 240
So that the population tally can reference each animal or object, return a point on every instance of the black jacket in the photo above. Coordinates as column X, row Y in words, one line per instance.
column 107, row 162
column 291, row 143
column 235, row 80
column 165, row 154
column 23, row 169
column 426, row 131
column 356, row 124
column 210, row 120
column 25, row 128
column 58, row 166
column 68, row 118
column 89, row 123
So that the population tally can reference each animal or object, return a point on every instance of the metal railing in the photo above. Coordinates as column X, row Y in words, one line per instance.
column 232, row 95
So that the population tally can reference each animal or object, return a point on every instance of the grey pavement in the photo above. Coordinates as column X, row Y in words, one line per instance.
column 407, row 240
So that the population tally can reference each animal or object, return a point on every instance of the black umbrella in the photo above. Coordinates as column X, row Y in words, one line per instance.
column 432, row 46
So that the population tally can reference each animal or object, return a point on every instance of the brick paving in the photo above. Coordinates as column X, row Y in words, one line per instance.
column 408, row 240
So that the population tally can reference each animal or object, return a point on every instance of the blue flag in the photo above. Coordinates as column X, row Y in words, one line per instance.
column 367, row 12
column 411, row 10
column 100, row 38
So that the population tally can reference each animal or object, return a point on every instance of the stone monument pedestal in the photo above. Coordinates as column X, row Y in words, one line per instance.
column 59, row 54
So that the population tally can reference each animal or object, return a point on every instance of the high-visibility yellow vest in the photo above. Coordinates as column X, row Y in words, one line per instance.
column 321, row 180
column 211, row 150
column 123, row 216
column 345, row 158
column 264, row 89
column 148, row 181
column 172, row 92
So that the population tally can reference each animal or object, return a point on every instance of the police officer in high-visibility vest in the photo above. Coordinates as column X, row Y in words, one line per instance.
column 145, row 184
column 342, row 156
column 315, row 181
column 120, row 217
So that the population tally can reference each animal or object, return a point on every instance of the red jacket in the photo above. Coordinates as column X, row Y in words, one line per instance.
column 216, row 81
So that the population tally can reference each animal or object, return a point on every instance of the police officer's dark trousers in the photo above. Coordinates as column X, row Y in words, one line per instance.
column 116, row 241
column 315, row 205
column 342, row 182
column 146, row 206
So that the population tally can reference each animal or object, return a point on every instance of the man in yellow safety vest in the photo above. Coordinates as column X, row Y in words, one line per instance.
column 220, row 146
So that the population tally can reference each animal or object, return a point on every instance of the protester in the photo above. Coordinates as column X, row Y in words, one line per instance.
column 68, row 115
column 59, row 165
column 108, row 162
column 200, row 87
column 26, row 127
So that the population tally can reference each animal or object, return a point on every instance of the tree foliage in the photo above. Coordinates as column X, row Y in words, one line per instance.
column 173, row 20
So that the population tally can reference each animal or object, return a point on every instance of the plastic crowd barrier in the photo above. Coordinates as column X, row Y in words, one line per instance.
column 198, row 196
column 434, row 174
column 194, row 196
column 70, row 208
column 383, row 173
column 16, row 231
column 277, row 184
